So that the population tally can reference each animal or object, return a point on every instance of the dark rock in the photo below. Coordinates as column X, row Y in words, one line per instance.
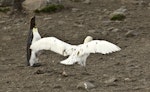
column 39, row 72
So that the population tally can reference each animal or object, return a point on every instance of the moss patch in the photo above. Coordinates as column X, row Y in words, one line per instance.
column 118, row 17
column 4, row 9
column 50, row 9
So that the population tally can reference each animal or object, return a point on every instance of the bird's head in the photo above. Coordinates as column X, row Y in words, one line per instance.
column 35, row 29
column 88, row 39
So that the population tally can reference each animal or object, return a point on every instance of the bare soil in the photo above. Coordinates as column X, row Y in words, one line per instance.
column 130, row 67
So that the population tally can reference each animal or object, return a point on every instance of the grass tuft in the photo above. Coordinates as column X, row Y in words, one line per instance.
column 118, row 17
column 50, row 9
column 4, row 9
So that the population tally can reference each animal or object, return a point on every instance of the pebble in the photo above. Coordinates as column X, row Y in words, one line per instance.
column 39, row 72
column 115, row 30
column 61, row 22
column 92, row 31
column 127, row 79
column 3, row 59
column 104, row 33
column 111, row 80
column 87, row 2
column 1, row 22
column 65, row 74
column 110, row 29
column 49, row 18
column 131, row 33
column 57, row 86
column 74, row 10
column 86, row 85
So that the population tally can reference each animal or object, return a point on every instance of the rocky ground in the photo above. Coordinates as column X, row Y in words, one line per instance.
column 124, row 71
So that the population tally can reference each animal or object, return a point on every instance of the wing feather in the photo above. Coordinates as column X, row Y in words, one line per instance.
column 53, row 44
column 98, row 46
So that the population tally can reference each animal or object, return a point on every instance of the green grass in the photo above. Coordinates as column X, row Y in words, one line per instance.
column 4, row 9
column 118, row 17
column 50, row 9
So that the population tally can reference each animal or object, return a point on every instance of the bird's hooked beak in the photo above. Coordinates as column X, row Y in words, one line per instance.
column 88, row 39
column 32, row 22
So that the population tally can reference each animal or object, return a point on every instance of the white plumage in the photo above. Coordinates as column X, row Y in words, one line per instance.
column 53, row 44
column 83, row 51
column 78, row 53
column 36, row 37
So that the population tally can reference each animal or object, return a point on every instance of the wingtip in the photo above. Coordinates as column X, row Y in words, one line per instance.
column 64, row 62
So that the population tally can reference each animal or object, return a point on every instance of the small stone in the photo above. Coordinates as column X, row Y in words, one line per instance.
column 115, row 30
column 65, row 74
column 87, row 2
column 1, row 22
column 85, row 85
column 75, row 10
column 92, row 31
column 131, row 33
column 106, row 23
column 57, row 86
column 110, row 29
column 127, row 79
column 104, row 33
column 61, row 22
column 3, row 59
column 149, row 4
column 49, row 18
column 111, row 80
column 39, row 72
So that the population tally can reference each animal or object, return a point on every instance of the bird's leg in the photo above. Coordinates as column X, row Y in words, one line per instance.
column 64, row 72
column 36, row 63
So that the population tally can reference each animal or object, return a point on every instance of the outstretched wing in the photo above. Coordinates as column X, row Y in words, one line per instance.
column 82, row 51
column 53, row 44
column 98, row 46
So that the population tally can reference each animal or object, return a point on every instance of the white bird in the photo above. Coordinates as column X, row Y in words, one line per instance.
column 50, row 43
column 36, row 36
column 82, row 51
column 47, row 43
column 78, row 53
column 33, row 36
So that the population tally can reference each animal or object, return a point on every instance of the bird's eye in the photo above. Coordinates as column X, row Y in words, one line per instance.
column 78, row 53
